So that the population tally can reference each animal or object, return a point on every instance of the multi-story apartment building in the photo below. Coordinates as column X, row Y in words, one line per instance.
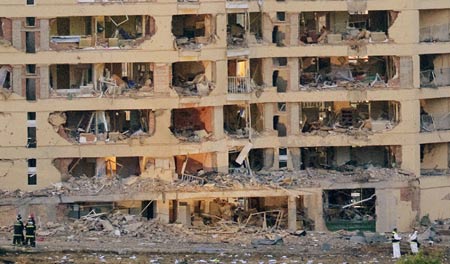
column 305, row 107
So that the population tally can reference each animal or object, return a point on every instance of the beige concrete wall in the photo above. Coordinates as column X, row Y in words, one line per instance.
column 404, row 29
column 435, row 156
column 435, row 196
column 429, row 18
column 13, row 129
column 393, row 211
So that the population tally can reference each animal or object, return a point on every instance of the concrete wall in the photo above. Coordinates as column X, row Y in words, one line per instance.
column 435, row 197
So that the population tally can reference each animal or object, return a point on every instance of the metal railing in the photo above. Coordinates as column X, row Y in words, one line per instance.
column 435, row 78
column 239, row 85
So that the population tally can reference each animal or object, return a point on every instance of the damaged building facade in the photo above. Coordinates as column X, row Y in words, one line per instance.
column 317, row 115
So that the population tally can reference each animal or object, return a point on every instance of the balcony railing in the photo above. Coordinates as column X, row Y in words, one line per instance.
column 238, row 85
column 435, row 78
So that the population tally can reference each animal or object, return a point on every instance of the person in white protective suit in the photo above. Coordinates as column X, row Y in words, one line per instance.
column 396, row 244
column 413, row 243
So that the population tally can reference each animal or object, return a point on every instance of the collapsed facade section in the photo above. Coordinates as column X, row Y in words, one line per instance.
column 88, row 127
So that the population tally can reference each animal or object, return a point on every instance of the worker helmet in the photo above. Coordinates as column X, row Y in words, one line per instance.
column 19, row 217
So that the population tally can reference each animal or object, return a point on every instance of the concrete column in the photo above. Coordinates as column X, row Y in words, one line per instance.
column 162, row 211
column 268, row 158
column 45, row 35
column 294, row 78
column 17, row 79
column 415, row 71
column 314, row 204
column 162, row 123
column 406, row 72
column 276, row 159
column 162, row 78
column 220, row 80
column 267, row 27
column 222, row 162
column 294, row 118
column 44, row 81
column 218, row 122
column 221, row 29
column 292, row 213
column 267, row 70
column 410, row 116
column 411, row 158
column 163, row 37
column 295, row 157
column 269, row 109
column 386, row 209
column 17, row 33
column 293, row 37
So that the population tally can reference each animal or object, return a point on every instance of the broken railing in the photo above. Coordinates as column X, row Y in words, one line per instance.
column 435, row 78
column 278, row 219
column 435, row 33
column 239, row 85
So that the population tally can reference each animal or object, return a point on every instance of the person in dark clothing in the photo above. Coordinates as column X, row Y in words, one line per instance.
column 18, row 231
column 30, row 232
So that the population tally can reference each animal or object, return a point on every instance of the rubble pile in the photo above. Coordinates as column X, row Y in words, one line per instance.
column 116, row 225
column 239, row 179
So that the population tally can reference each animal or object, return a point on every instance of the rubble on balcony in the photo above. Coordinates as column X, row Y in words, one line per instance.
column 132, row 80
column 212, row 181
column 237, row 30
column 192, row 124
column 351, row 73
column 354, row 119
column 102, row 32
column 352, row 29
column 191, row 32
column 434, row 70
column 192, row 78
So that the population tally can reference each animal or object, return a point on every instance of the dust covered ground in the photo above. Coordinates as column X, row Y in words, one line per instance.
column 315, row 247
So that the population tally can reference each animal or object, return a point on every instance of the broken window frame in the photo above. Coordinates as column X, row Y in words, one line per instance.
column 358, row 212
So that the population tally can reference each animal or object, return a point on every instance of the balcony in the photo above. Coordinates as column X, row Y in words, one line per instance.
column 101, row 80
column 352, row 72
column 239, row 85
column 343, row 28
column 101, row 32
column 434, row 70
column 351, row 118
